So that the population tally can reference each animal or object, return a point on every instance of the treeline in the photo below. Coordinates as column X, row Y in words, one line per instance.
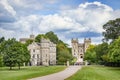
column 13, row 53
column 108, row 52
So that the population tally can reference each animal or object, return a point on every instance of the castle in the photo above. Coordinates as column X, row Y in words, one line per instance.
column 42, row 53
column 78, row 49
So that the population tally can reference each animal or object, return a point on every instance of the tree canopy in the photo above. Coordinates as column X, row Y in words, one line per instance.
column 14, row 53
column 53, row 37
column 112, row 29
column 90, row 54
column 114, row 51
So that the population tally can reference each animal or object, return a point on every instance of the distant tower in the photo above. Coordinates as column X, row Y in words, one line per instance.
column 74, row 47
column 87, row 42
column 32, row 36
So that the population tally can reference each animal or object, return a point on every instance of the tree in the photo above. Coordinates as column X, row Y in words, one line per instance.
column 101, row 52
column 14, row 53
column 39, row 36
column 63, row 53
column 53, row 37
column 29, row 41
column 2, row 39
column 90, row 54
column 112, row 29
column 9, row 57
column 22, row 55
column 114, row 52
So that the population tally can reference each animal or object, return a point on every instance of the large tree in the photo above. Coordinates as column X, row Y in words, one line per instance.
column 22, row 53
column 39, row 36
column 101, row 51
column 53, row 37
column 112, row 29
column 14, row 53
column 114, row 52
column 63, row 53
column 90, row 54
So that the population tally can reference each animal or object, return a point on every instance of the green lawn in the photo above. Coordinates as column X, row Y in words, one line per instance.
column 28, row 72
column 97, row 73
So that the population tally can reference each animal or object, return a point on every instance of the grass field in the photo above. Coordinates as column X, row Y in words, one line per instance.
column 28, row 72
column 97, row 73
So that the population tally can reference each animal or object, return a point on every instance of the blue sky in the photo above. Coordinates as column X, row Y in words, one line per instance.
column 67, row 18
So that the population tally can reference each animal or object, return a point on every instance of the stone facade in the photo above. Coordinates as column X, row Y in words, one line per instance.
column 42, row 53
column 78, row 49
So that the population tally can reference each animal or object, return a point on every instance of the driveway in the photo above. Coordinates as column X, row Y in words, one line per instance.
column 60, row 75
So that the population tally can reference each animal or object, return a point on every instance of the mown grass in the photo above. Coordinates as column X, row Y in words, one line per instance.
column 28, row 72
column 97, row 73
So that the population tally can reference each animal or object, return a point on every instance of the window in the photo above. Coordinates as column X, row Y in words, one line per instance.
column 37, row 55
column 33, row 56
column 33, row 50
column 81, row 50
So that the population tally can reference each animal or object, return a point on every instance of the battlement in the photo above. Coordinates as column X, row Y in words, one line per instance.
column 78, row 49
column 74, row 40
column 87, row 40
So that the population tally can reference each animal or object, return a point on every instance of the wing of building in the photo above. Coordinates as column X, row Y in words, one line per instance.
column 42, row 53
column 78, row 49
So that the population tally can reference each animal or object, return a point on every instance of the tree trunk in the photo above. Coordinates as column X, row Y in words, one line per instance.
column 10, row 67
column 19, row 65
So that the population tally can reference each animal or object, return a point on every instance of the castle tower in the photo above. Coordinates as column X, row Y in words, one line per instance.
column 32, row 36
column 45, row 51
column 74, row 47
column 87, row 42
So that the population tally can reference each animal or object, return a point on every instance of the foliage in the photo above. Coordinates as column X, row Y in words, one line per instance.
column 1, row 60
column 2, row 39
column 63, row 53
column 53, row 37
column 29, row 41
column 114, row 51
column 90, row 54
column 101, row 52
column 96, row 73
column 14, row 53
column 26, row 73
column 112, row 29
column 97, row 54
column 39, row 36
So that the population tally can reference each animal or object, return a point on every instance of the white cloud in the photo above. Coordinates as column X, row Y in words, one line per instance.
column 87, row 17
column 8, row 7
column 6, row 33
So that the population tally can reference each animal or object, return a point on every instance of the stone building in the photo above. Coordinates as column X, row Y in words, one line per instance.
column 23, row 40
column 42, row 53
column 78, row 49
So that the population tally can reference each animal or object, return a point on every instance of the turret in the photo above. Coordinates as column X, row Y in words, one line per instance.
column 87, row 42
column 74, row 46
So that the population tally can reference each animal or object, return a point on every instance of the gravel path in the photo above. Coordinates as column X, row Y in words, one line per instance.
column 60, row 75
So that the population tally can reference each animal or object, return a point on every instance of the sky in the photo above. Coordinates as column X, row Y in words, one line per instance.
column 66, row 18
